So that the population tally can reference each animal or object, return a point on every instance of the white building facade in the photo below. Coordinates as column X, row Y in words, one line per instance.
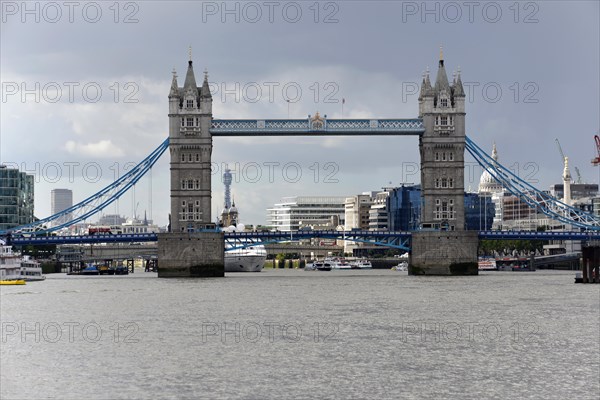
column 293, row 212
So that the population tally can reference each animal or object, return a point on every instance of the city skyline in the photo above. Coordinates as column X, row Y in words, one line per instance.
column 549, row 90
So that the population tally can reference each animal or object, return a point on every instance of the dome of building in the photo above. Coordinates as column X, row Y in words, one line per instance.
column 487, row 183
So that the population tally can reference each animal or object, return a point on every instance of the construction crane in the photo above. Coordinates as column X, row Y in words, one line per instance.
column 578, row 175
column 596, row 161
column 562, row 154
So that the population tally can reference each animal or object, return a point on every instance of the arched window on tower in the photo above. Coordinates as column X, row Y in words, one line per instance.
column 189, row 103
column 444, row 102
column 182, row 157
column 190, row 184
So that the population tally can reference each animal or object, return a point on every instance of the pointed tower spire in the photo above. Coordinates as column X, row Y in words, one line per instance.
column 426, row 88
column 205, row 91
column 174, row 89
column 190, row 79
column 423, row 89
column 458, row 86
column 441, row 81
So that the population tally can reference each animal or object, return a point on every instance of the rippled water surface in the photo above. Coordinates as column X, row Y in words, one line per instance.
column 292, row 334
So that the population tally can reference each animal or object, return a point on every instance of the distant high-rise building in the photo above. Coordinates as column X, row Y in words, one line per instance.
column 292, row 212
column 60, row 200
column 378, row 214
column 111, row 219
column 16, row 198
column 578, row 190
column 357, row 211
column 229, row 215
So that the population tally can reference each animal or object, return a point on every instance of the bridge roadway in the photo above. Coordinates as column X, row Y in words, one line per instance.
column 384, row 238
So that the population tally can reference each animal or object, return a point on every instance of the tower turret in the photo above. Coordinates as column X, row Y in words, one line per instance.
column 205, row 96
column 426, row 96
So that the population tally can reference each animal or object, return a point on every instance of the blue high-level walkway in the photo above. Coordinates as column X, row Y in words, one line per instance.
column 312, row 127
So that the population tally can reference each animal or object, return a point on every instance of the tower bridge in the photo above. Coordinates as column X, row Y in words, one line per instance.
column 193, row 248
column 441, row 130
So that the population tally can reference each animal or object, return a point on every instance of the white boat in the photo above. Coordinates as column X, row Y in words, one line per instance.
column 31, row 270
column 337, row 263
column 361, row 264
column 249, row 259
column 323, row 265
column 403, row 266
column 10, row 263
column 14, row 267
column 320, row 265
column 487, row 264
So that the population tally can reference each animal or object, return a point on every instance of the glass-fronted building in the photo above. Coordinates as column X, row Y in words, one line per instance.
column 16, row 198
column 479, row 212
column 404, row 208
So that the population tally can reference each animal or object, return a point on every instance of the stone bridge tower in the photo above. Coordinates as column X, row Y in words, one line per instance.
column 442, row 148
column 443, row 247
column 190, row 250
column 190, row 145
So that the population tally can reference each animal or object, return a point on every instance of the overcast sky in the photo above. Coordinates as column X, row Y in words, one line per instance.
column 97, row 78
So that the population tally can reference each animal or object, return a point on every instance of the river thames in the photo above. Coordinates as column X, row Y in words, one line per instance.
column 375, row 334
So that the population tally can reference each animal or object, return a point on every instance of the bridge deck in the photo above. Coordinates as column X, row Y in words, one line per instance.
column 378, row 237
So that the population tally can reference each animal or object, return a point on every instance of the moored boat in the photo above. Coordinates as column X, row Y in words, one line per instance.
column 361, row 264
column 486, row 264
column 31, row 270
column 13, row 282
column 13, row 267
column 338, row 263
column 91, row 269
column 403, row 266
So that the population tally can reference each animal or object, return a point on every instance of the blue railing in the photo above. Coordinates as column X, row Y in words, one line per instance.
column 399, row 240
